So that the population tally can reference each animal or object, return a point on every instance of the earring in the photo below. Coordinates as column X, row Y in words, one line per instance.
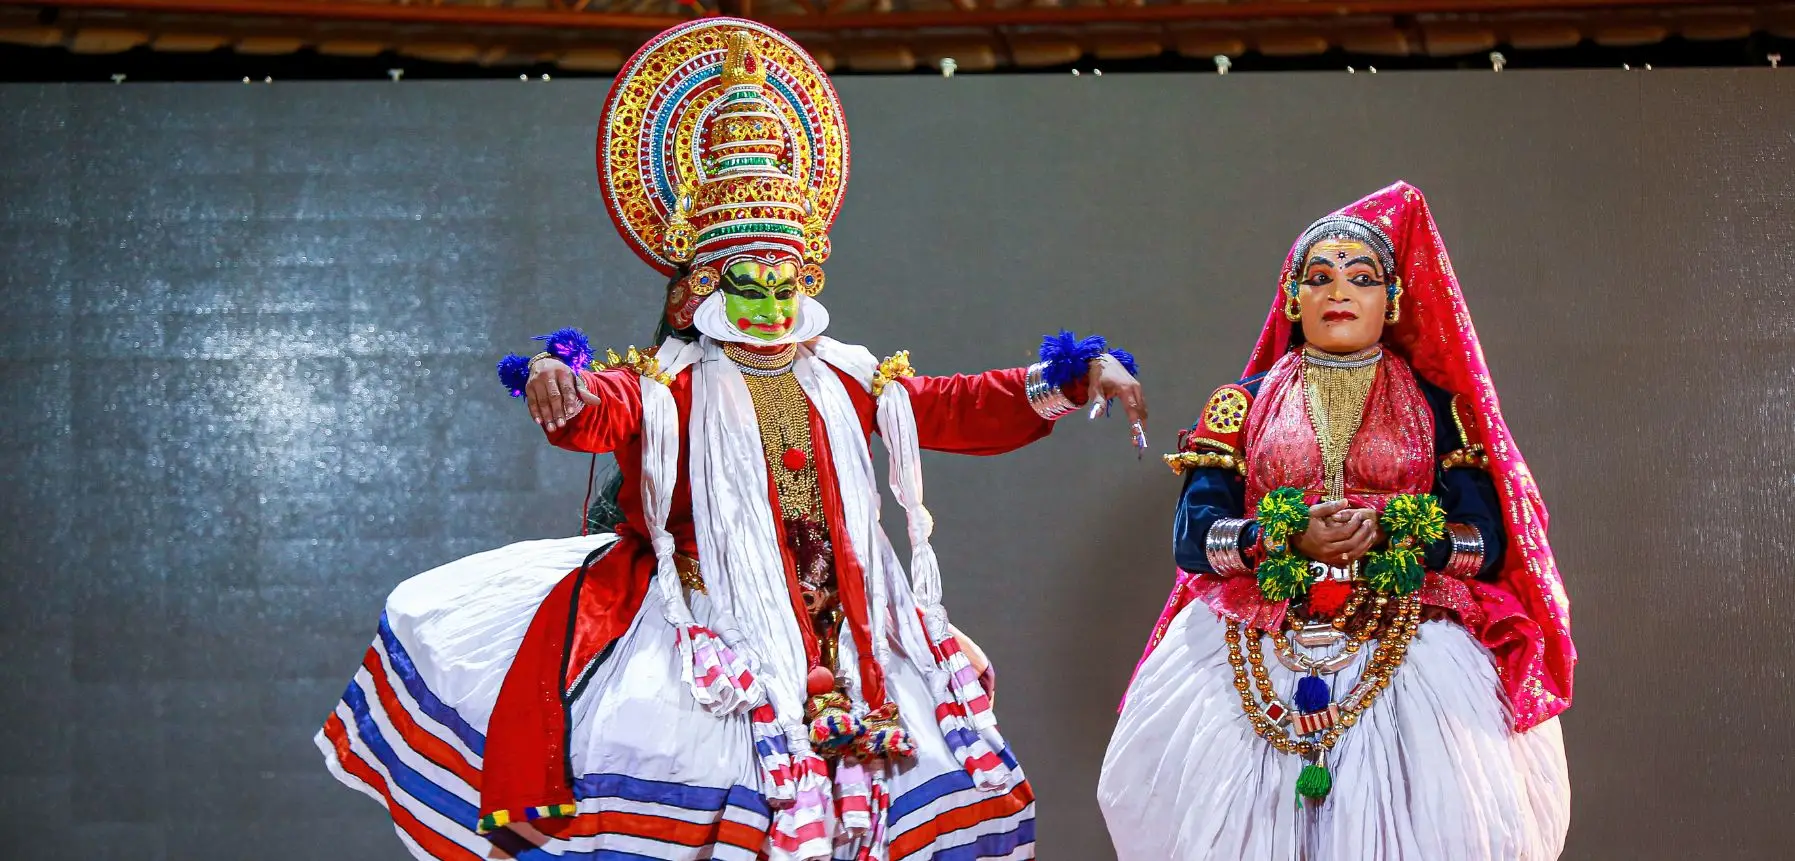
column 810, row 279
column 1292, row 311
column 688, row 293
column 1393, row 312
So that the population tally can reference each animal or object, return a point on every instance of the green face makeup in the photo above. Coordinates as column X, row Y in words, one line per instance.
column 761, row 300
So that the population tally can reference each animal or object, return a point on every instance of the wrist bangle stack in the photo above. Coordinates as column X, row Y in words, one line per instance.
column 1222, row 547
column 1066, row 358
column 1047, row 401
column 1467, row 551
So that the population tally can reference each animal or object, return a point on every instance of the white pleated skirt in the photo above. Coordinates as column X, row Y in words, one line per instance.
column 656, row 776
column 1433, row 770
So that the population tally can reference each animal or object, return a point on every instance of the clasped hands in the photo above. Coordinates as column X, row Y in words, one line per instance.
column 1338, row 534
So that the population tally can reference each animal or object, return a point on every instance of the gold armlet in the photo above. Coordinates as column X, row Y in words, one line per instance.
column 643, row 362
column 1469, row 457
column 890, row 369
column 1188, row 460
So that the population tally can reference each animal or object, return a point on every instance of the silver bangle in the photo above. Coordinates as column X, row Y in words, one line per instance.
column 1047, row 401
column 1222, row 546
column 1467, row 551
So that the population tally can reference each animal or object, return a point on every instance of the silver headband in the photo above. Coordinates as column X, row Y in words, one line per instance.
column 1352, row 227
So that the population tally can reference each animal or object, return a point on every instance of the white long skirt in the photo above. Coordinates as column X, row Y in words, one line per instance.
column 656, row 776
column 1431, row 772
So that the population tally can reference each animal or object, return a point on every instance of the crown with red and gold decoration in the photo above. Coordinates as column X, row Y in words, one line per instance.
column 721, row 141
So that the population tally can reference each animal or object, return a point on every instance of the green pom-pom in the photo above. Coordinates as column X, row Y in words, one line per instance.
column 1284, row 576
column 1396, row 571
column 1282, row 512
column 1418, row 518
column 1314, row 783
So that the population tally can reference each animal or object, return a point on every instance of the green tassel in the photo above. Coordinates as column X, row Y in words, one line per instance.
column 1283, row 577
column 1417, row 517
column 1314, row 783
column 1282, row 512
column 1396, row 571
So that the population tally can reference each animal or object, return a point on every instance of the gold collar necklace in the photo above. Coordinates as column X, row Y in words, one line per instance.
column 762, row 364
column 1321, row 358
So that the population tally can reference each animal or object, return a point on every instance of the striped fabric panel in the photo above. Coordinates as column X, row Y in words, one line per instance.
column 988, row 769
column 388, row 739
column 407, row 674
column 949, row 819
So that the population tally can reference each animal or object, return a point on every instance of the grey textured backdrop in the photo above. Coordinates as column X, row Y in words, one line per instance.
column 245, row 369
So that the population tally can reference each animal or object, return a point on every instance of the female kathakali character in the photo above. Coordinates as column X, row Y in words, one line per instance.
column 1368, row 641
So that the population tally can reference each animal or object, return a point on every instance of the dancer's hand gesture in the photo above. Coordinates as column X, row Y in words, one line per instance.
column 555, row 393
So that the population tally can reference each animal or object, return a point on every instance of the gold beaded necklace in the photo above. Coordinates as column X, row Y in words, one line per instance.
column 1269, row 720
column 1335, row 389
column 752, row 360
column 783, row 413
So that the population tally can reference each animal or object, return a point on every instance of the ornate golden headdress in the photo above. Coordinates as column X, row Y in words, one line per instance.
column 723, row 140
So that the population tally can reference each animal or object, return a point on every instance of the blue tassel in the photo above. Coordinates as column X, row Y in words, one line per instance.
column 570, row 346
column 1068, row 357
column 1127, row 360
column 514, row 371
column 1312, row 694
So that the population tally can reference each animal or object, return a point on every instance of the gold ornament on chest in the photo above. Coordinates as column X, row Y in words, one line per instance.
column 1335, row 390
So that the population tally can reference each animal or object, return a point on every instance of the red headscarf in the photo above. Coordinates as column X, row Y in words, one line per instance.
column 1529, row 615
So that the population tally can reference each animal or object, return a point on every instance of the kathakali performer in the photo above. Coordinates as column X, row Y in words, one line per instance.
column 741, row 669
column 1368, row 641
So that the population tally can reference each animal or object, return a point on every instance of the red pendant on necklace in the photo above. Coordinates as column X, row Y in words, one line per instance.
column 1327, row 598
column 819, row 681
column 793, row 460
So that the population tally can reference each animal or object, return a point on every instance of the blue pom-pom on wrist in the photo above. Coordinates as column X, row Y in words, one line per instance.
column 514, row 371
column 568, row 345
column 1068, row 357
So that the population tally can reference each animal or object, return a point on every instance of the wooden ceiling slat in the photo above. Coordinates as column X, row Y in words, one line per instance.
column 979, row 34
column 463, row 13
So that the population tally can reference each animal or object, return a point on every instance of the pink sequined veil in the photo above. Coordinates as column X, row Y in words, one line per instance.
column 1527, row 625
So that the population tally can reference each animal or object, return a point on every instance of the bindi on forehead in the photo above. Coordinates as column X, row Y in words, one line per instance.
column 1340, row 250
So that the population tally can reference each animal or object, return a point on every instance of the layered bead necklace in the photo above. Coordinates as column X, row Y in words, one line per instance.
column 1335, row 389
